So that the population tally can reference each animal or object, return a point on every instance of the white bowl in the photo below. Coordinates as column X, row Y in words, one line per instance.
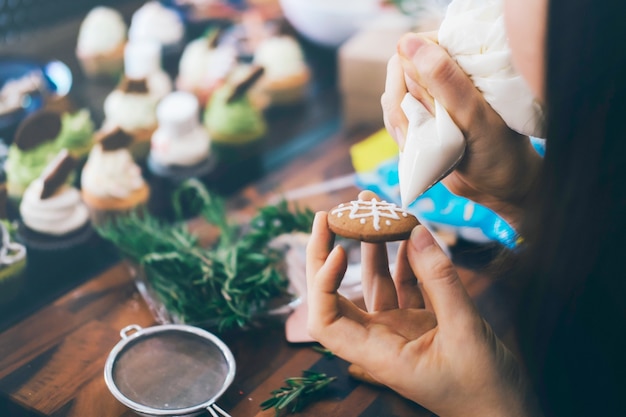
column 329, row 22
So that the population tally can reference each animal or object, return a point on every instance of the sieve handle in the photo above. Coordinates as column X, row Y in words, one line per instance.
column 216, row 411
column 124, row 332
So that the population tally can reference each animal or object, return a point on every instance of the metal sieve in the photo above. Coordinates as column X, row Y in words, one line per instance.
column 169, row 370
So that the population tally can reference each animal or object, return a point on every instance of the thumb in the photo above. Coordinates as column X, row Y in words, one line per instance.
column 429, row 64
column 450, row 302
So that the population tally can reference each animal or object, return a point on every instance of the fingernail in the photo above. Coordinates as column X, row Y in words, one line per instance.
column 410, row 44
column 421, row 238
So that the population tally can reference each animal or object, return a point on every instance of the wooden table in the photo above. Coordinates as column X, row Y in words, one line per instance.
column 51, row 363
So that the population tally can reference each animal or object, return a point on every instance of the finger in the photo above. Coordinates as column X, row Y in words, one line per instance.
column 406, row 284
column 319, row 245
column 435, row 70
column 395, row 89
column 379, row 291
column 333, row 320
column 451, row 303
column 420, row 93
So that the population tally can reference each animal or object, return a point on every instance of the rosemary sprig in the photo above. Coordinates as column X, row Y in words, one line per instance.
column 227, row 284
column 298, row 392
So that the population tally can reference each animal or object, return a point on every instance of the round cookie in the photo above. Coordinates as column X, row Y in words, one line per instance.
column 369, row 219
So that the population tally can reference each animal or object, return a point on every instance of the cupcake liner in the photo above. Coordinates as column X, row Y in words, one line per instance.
column 35, row 241
column 102, row 211
column 176, row 174
column 164, row 180
column 109, row 65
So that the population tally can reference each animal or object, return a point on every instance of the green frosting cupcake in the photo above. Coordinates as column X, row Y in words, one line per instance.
column 25, row 163
column 233, row 120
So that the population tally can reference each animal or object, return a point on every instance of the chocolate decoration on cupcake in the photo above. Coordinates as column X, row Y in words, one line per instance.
column 113, row 140
column 37, row 129
column 57, row 173
column 214, row 37
column 244, row 85
column 134, row 85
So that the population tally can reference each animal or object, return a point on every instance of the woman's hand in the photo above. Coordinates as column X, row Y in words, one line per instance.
column 444, row 357
column 500, row 166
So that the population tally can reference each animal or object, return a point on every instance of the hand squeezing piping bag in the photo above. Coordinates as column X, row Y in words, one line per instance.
column 474, row 35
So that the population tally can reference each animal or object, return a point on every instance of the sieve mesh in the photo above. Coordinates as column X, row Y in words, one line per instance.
column 171, row 370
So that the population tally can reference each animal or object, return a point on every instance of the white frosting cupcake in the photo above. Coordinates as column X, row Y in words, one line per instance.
column 281, row 56
column 58, row 215
column 100, row 46
column 111, row 174
column 155, row 22
column 286, row 72
column 102, row 31
column 203, row 68
column 130, row 111
column 180, row 140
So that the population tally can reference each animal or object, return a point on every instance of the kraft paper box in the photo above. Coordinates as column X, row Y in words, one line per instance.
column 362, row 62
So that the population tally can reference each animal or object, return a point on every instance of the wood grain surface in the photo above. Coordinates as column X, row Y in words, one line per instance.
column 52, row 362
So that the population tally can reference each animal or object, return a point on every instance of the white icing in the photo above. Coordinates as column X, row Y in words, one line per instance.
column 111, row 174
column 102, row 30
column 130, row 111
column 281, row 56
column 201, row 65
column 153, row 21
column 187, row 150
column 427, row 154
column 473, row 33
column 374, row 209
column 57, row 215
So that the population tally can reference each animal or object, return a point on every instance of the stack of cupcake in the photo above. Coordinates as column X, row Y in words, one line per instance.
column 132, row 108
column 181, row 149
column 155, row 22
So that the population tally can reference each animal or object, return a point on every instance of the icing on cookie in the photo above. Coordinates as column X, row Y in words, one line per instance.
column 374, row 209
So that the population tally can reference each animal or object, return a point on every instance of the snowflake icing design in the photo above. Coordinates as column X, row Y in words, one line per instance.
column 377, row 210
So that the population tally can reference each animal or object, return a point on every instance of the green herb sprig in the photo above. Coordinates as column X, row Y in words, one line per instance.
column 298, row 392
column 226, row 284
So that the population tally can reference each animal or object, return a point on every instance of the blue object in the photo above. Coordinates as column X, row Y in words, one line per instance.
column 50, row 78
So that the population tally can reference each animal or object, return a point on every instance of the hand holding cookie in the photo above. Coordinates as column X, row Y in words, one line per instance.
column 370, row 219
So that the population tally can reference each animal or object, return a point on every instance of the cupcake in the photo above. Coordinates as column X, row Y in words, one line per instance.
column 181, row 149
column 155, row 22
column 286, row 75
column 53, row 216
column 205, row 65
column 181, row 145
column 132, row 108
column 111, row 180
column 231, row 116
column 100, row 46
column 142, row 59
column 12, row 265
column 39, row 138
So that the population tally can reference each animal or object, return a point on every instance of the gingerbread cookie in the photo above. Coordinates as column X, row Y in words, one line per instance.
column 371, row 220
